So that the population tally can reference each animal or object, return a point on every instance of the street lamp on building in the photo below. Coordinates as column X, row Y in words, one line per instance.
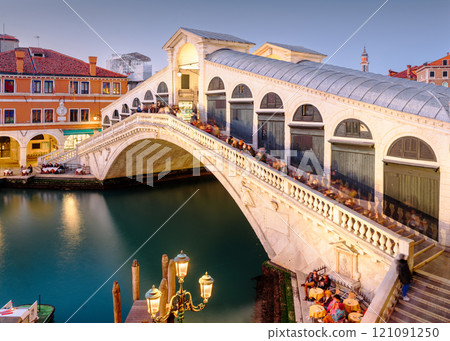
column 182, row 300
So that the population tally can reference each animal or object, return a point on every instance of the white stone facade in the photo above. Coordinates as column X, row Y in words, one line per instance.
column 386, row 125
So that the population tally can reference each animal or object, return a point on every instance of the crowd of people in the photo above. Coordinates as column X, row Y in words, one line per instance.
column 340, row 191
column 333, row 304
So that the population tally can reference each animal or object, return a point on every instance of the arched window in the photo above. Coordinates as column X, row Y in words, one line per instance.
column 307, row 113
column 216, row 84
column 271, row 101
column 410, row 147
column 445, row 84
column 353, row 128
column 106, row 122
column 217, row 105
column 307, row 140
column 162, row 88
column 241, row 125
column 115, row 115
column 136, row 102
column 125, row 109
column 148, row 96
column 241, row 91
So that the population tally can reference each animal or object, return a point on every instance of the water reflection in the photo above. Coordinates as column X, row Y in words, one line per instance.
column 1, row 245
column 71, row 221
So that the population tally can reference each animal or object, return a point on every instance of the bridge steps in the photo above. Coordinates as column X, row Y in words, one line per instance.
column 429, row 292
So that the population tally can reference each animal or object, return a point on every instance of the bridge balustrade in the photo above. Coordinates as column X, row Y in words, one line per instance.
column 354, row 224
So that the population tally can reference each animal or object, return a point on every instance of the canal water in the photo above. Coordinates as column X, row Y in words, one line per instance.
column 64, row 245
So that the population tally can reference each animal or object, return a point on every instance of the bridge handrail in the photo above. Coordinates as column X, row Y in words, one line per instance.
column 379, row 237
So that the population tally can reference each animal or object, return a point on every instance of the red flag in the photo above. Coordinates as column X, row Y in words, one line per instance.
column 54, row 85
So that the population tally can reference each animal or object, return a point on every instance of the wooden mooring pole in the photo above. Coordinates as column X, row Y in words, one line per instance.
column 171, row 279
column 163, row 301
column 116, row 302
column 135, row 280
column 165, row 266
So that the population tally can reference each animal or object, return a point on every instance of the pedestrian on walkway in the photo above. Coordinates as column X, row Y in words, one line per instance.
column 404, row 275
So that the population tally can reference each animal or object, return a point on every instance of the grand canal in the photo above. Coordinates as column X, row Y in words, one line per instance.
column 64, row 245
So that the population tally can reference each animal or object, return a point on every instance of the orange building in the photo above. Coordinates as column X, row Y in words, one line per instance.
column 50, row 101
column 436, row 72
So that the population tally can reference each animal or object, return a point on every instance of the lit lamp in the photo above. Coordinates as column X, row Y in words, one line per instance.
column 153, row 296
column 206, row 286
column 182, row 300
column 181, row 265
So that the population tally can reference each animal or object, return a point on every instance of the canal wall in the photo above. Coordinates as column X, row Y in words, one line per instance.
column 91, row 183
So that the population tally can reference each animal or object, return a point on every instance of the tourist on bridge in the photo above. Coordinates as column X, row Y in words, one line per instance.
column 250, row 150
column 230, row 140
column 404, row 275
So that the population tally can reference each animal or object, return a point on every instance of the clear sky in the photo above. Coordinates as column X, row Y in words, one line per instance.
column 402, row 32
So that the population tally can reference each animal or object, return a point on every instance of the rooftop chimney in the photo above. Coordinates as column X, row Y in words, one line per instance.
column 93, row 66
column 408, row 71
column 20, row 55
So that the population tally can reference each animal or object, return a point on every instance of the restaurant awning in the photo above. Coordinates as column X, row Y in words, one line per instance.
column 78, row 132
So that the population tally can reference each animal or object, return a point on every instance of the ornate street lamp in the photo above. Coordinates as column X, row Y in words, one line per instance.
column 182, row 300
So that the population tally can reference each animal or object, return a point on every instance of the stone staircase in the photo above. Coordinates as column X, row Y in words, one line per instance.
column 430, row 291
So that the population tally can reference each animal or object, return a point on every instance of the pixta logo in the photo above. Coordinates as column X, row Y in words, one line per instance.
column 144, row 156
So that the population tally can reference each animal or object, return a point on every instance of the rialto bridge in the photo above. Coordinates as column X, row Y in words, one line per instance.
column 385, row 139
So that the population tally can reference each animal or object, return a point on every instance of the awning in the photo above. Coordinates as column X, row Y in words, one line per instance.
column 79, row 132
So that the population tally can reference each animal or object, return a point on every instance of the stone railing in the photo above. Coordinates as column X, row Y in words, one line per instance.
column 387, row 295
column 59, row 156
column 381, row 240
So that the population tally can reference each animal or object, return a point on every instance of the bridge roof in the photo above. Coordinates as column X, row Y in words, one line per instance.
column 296, row 48
column 217, row 36
column 427, row 100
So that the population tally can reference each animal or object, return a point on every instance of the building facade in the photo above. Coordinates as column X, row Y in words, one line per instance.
column 50, row 101
column 135, row 65
column 436, row 72
column 385, row 139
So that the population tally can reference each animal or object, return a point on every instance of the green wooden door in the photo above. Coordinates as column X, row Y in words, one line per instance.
column 411, row 196
column 354, row 166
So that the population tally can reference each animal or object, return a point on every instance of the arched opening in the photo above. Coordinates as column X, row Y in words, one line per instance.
column 307, row 139
column 136, row 102
column 9, row 152
column 217, row 105
column 353, row 159
column 148, row 104
column 125, row 113
column 38, row 146
column 241, row 107
column 271, row 125
column 106, row 122
column 162, row 94
column 115, row 118
column 411, row 191
column 186, row 82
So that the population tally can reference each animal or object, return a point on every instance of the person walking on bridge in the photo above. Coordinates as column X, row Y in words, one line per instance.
column 404, row 275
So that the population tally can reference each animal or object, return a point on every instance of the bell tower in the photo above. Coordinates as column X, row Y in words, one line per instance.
column 364, row 61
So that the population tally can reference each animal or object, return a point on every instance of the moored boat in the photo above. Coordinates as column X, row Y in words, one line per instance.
column 27, row 313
